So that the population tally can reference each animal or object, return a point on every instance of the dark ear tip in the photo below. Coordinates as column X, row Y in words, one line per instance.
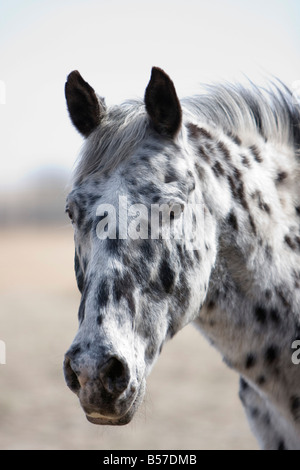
column 157, row 73
column 156, row 70
column 74, row 77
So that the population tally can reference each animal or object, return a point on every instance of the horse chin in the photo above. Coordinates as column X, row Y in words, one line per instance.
column 100, row 419
column 95, row 418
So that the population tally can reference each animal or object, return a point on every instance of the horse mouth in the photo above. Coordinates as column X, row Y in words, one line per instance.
column 96, row 418
column 100, row 419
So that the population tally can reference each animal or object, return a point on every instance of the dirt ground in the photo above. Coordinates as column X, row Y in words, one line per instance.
column 192, row 399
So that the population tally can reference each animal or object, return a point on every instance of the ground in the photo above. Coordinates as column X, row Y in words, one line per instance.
column 192, row 398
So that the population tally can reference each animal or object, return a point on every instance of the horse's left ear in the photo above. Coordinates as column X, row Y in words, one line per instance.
column 85, row 108
column 162, row 103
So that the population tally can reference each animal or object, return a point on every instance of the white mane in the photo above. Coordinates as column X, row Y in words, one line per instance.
column 232, row 107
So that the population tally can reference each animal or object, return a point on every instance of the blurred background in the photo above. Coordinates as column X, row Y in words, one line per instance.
column 192, row 400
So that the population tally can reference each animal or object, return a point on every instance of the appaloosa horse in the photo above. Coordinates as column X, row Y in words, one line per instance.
column 187, row 211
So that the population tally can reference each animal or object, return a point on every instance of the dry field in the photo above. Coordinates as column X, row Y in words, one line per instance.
column 191, row 402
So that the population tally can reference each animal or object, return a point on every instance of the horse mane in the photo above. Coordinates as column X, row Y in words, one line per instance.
column 245, row 110
column 236, row 109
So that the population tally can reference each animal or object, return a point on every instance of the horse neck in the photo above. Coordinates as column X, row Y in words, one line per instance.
column 250, row 185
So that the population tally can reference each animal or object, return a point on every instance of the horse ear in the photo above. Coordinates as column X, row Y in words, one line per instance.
column 162, row 103
column 85, row 108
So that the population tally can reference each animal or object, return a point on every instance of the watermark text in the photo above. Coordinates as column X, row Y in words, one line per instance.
column 2, row 352
column 173, row 220
column 2, row 92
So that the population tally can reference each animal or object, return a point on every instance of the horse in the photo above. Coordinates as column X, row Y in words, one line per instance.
column 187, row 211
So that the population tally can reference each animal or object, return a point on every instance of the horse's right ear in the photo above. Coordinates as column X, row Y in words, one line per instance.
column 162, row 103
column 85, row 108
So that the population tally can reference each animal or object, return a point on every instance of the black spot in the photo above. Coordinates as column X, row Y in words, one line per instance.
column 193, row 130
column 149, row 189
column 218, row 169
column 290, row 242
column 241, row 196
column 166, row 275
column 203, row 154
column 232, row 220
column 197, row 255
column 123, row 288
column 268, row 294
column 147, row 248
column 171, row 175
column 261, row 380
column 254, row 412
column 252, row 224
column 81, row 311
column 264, row 207
column 74, row 351
column 197, row 132
column 260, row 315
column 200, row 170
column 237, row 174
column 211, row 305
column 297, row 209
column 155, row 199
column 190, row 182
column 250, row 361
column 232, row 186
column 99, row 320
column 255, row 153
column 271, row 354
column 224, row 150
column 182, row 292
column 281, row 176
column 237, row 188
column 122, row 285
column 92, row 198
column 130, row 302
column 245, row 161
column 235, row 139
column 80, row 216
column 102, row 294
column 295, row 407
column 275, row 317
column 114, row 246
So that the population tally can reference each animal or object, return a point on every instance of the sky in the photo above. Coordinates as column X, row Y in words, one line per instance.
column 114, row 44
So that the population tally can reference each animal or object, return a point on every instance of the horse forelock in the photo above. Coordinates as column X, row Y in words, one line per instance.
column 120, row 132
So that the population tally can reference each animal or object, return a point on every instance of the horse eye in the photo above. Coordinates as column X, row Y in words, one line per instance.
column 70, row 214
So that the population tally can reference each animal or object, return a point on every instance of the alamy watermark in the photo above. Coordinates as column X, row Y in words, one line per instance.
column 2, row 92
column 159, row 221
column 2, row 352
column 296, row 354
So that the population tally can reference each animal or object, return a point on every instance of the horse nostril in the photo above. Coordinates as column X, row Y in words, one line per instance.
column 114, row 375
column 70, row 376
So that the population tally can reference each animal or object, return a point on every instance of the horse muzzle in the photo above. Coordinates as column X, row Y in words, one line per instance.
column 106, row 391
